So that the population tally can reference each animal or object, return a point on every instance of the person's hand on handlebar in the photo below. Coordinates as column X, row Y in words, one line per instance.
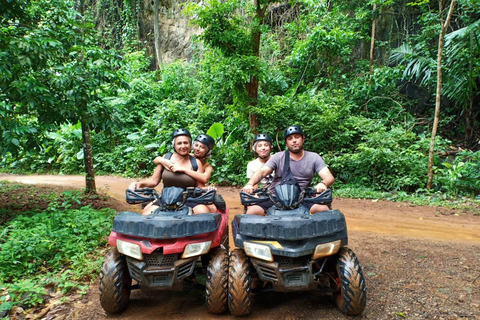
column 320, row 187
column 248, row 188
column 133, row 186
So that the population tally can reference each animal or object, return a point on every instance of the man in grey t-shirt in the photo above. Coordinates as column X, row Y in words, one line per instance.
column 303, row 165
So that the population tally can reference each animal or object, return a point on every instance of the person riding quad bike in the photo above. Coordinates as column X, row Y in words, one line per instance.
column 291, row 239
column 166, row 248
column 290, row 249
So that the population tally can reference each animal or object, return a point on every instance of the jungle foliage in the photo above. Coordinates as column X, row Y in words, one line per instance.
column 59, row 68
column 47, row 251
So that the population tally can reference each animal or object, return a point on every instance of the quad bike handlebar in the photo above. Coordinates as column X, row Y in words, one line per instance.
column 309, row 195
column 171, row 195
column 259, row 195
column 324, row 197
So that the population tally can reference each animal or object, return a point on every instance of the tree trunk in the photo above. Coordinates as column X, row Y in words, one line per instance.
column 156, row 30
column 252, row 93
column 469, row 116
column 372, row 42
column 88, row 157
column 252, row 85
column 439, row 89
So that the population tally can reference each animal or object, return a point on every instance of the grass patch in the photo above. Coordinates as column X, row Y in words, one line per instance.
column 421, row 197
column 45, row 250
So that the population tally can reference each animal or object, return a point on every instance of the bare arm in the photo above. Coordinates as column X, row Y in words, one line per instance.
column 327, row 180
column 256, row 178
column 250, row 173
column 151, row 182
column 164, row 162
column 198, row 175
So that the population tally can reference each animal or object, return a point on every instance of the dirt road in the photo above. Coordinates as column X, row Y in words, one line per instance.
column 420, row 262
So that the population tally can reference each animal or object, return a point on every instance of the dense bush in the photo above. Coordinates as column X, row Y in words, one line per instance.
column 460, row 175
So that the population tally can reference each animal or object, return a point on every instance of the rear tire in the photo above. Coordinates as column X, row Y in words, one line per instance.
column 352, row 296
column 239, row 284
column 115, row 282
column 217, row 282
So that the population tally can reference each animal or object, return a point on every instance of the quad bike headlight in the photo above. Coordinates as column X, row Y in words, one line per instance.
column 327, row 249
column 259, row 251
column 196, row 249
column 129, row 249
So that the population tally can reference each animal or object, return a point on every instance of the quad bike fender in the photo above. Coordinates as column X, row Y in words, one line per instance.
column 290, row 227
column 175, row 245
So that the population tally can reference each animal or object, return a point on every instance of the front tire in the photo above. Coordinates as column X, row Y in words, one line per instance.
column 217, row 282
column 115, row 282
column 239, row 284
column 352, row 296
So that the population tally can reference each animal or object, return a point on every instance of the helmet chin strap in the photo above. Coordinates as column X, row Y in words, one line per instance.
column 264, row 157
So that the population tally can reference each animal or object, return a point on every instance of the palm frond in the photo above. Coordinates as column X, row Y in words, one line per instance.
column 463, row 32
column 400, row 54
column 456, row 88
column 418, row 68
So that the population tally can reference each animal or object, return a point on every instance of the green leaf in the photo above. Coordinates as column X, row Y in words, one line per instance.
column 133, row 136
column 80, row 155
column 216, row 130
column 152, row 146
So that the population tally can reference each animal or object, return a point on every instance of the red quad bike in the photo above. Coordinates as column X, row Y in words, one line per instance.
column 165, row 250
column 290, row 249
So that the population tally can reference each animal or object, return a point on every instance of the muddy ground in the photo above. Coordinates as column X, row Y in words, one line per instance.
column 420, row 262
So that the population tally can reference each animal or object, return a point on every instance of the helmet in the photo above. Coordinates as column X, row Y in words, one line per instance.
column 293, row 130
column 181, row 132
column 262, row 137
column 206, row 140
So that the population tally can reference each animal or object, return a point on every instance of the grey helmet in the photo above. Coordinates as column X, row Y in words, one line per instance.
column 206, row 140
column 180, row 132
column 262, row 137
column 293, row 130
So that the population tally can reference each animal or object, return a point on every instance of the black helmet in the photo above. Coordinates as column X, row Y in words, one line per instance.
column 262, row 137
column 181, row 132
column 293, row 130
column 206, row 140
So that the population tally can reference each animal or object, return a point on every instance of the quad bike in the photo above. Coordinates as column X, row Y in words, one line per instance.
column 165, row 250
column 290, row 249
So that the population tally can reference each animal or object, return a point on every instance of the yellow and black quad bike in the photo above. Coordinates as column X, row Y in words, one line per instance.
column 290, row 249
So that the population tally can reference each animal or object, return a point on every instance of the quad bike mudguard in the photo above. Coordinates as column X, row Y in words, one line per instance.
column 175, row 224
